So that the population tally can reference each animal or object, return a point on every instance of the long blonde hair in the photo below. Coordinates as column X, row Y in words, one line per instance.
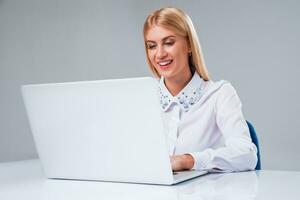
column 179, row 22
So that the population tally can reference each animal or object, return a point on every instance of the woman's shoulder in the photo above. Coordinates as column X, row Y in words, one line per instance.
column 221, row 87
column 224, row 94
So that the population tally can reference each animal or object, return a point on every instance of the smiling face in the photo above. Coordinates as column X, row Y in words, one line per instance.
column 168, row 53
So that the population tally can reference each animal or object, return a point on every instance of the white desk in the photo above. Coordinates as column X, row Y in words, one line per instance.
column 26, row 180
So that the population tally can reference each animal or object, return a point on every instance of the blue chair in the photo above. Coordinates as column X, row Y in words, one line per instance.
column 255, row 141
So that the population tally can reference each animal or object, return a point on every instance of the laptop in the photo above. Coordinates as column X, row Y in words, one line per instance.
column 106, row 130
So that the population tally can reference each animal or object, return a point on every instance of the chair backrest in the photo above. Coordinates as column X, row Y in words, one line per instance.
column 255, row 141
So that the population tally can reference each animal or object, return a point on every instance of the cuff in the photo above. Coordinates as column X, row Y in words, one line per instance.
column 202, row 160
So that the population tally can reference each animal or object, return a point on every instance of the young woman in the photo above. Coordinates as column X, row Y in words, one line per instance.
column 204, row 123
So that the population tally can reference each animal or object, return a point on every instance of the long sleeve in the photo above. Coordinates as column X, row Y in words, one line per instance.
column 239, row 153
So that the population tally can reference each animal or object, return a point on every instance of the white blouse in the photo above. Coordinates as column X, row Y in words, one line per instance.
column 205, row 120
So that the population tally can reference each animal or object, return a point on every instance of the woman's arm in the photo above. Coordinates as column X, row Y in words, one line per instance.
column 238, row 153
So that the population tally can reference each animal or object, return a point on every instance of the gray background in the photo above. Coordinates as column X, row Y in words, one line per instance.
column 254, row 44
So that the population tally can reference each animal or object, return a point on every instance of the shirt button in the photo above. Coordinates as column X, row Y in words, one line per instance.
column 191, row 102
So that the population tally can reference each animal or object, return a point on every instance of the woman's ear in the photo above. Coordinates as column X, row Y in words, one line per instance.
column 189, row 48
column 189, row 45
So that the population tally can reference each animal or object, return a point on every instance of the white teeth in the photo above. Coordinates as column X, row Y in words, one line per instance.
column 165, row 62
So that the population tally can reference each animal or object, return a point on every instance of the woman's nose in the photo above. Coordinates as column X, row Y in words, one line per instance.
column 161, row 53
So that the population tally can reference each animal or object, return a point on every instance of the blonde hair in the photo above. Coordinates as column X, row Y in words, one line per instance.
column 179, row 22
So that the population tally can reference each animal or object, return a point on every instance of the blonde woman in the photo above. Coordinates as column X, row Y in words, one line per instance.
column 204, row 123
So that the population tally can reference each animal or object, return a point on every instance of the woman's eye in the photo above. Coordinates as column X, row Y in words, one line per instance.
column 169, row 43
column 151, row 46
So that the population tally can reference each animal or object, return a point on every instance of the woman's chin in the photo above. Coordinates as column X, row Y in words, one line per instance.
column 166, row 74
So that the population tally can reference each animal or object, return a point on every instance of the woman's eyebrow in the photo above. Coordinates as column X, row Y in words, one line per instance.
column 170, row 36
column 165, row 38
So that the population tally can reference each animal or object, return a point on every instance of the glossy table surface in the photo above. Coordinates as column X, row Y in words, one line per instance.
column 26, row 180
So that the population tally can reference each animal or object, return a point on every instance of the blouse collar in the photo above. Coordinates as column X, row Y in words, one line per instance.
column 186, row 98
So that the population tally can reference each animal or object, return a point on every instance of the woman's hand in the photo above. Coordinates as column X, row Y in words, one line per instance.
column 182, row 162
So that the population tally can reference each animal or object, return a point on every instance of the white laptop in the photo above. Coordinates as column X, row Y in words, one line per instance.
column 107, row 130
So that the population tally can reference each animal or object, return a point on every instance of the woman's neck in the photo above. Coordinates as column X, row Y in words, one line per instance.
column 176, row 84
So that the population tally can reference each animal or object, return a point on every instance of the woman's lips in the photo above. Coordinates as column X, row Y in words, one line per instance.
column 164, row 65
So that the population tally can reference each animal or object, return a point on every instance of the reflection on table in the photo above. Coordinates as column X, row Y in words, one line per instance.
column 26, row 180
